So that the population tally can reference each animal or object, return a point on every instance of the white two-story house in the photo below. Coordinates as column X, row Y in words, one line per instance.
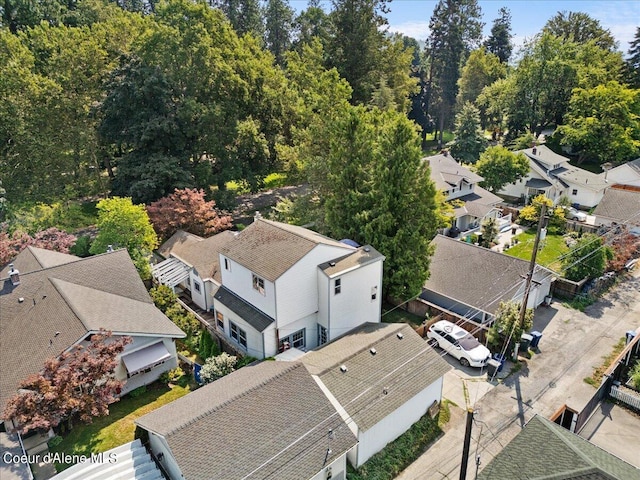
column 472, row 204
column 285, row 287
column 552, row 175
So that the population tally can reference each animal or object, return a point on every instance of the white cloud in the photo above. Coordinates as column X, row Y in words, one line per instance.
column 418, row 30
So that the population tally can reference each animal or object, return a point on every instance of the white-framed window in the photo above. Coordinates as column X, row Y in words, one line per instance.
column 322, row 335
column 574, row 191
column 220, row 321
column 295, row 340
column 238, row 334
column 227, row 264
column 196, row 286
column 337, row 286
column 374, row 293
column 258, row 283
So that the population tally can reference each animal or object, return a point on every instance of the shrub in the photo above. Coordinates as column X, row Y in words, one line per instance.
column 54, row 441
column 138, row 391
column 217, row 367
column 275, row 180
column 81, row 247
column 163, row 297
column 172, row 375
column 635, row 375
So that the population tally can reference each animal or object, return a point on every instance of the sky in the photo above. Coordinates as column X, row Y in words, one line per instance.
column 621, row 17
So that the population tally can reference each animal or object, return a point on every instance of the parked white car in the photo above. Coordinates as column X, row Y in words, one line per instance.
column 459, row 343
column 573, row 214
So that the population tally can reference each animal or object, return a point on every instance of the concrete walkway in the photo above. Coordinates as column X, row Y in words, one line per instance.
column 573, row 343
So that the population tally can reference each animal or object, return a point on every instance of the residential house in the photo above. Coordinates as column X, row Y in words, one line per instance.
column 191, row 265
column 51, row 302
column 544, row 450
column 270, row 420
column 625, row 174
column 284, row 286
column 620, row 205
column 472, row 204
column 381, row 378
column 471, row 281
column 551, row 174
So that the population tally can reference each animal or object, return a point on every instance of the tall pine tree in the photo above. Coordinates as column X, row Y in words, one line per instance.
column 499, row 42
column 278, row 26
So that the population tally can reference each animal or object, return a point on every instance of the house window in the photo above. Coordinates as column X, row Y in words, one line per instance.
column 227, row 264
column 574, row 191
column 238, row 334
column 196, row 286
column 322, row 335
column 337, row 286
column 374, row 293
column 220, row 320
column 258, row 283
column 295, row 340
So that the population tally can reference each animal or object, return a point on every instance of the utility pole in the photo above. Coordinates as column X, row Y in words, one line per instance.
column 467, row 445
column 532, row 267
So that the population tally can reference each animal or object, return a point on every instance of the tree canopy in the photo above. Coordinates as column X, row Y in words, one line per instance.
column 469, row 141
column 587, row 258
column 499, row 41
column 499, row 167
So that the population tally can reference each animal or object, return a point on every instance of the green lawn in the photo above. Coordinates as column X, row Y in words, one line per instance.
column 390, row 314
column 552, row 247
column 117, row 428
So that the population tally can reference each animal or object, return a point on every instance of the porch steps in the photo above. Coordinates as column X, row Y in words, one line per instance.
column 130, row 462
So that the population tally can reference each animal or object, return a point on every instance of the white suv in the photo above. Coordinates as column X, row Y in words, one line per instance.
column 459, row 343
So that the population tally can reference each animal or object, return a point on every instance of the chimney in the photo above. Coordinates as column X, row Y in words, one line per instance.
column 109, row 248
column 14, row 275
column 534, row 150
column 257, row 216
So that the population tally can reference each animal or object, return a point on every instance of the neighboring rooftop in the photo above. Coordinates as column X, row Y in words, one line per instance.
column 53, row 308
column 273, row 419
column 476, row 276
column 250, row 314
column 34, row 258
column 200, row 253
column 620, row 205
column 270, row 248
column 545, row 450
column 376, row 382
column 478, row 203
column 447, row 173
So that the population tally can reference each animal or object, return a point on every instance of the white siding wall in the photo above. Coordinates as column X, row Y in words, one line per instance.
column 353, row 305
column 198, row 297
column 585, row 196
column 149, row 377
column 462, row 189
column 338, row 470
column 537, row 292
column 625, row 175
column 309, row 324
column 398, row 422
column 210, row 289
column 323, row 298
column 254, row 338
column 297, row 289
column 159, row 445
column 240, row 281
column 270, row 341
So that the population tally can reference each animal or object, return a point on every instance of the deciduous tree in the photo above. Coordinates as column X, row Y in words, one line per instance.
column 499, row 167
column 187, row 210
column 587, row 258
column 77, row 385
column 507, row 326
column 49, row 239
column 579, row 27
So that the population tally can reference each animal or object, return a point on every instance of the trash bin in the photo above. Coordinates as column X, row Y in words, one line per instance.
column 525, row 342
column 498, row 357
column 630, row 336
column 535, row 339
column 493, row 367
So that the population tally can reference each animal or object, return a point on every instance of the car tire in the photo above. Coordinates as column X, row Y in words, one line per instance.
column 464, row 362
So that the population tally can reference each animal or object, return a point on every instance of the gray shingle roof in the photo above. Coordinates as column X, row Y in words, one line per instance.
column 446, row 172
column 200, row 253
column 33, row 258
column 620, row 206
column 60, row 299
column 270, row 248
column 250, row 314
column 402, row 367
column 537, row 183
column 475, row 276
column 479, row 203
column 270, row 420
column 362, row 256
column 544, row 450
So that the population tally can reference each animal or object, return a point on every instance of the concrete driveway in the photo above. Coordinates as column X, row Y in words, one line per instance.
column 573, row 343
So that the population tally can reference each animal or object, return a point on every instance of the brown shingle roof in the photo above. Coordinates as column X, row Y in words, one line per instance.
column 65, row 299
column 475, row 276
column 270, row 248
column 270, row 420
column 200, row 253
column 401, row 367
column 33, row 258
column 619, row 205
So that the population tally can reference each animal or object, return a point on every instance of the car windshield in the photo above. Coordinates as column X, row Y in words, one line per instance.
column 468, row 342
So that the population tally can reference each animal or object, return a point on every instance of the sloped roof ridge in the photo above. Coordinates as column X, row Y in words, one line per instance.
column 392, row 327
column 294, row 230
column 486, row 250
column 232, row 399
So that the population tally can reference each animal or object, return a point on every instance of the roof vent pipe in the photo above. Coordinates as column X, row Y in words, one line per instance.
column 14, row 275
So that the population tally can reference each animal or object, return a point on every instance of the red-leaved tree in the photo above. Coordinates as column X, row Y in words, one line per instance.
column 187, row 210
column 50, row 239
column 78, row 385
column 625, row 247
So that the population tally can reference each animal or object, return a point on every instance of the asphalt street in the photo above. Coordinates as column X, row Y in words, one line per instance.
column 573, row 343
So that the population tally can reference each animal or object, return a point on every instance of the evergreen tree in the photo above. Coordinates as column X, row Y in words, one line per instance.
column 633, row 61
column 311, row 23
column 244, row 15
column 499, row 42
column 469, row 141
column 278, row 27
column 456, row 29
